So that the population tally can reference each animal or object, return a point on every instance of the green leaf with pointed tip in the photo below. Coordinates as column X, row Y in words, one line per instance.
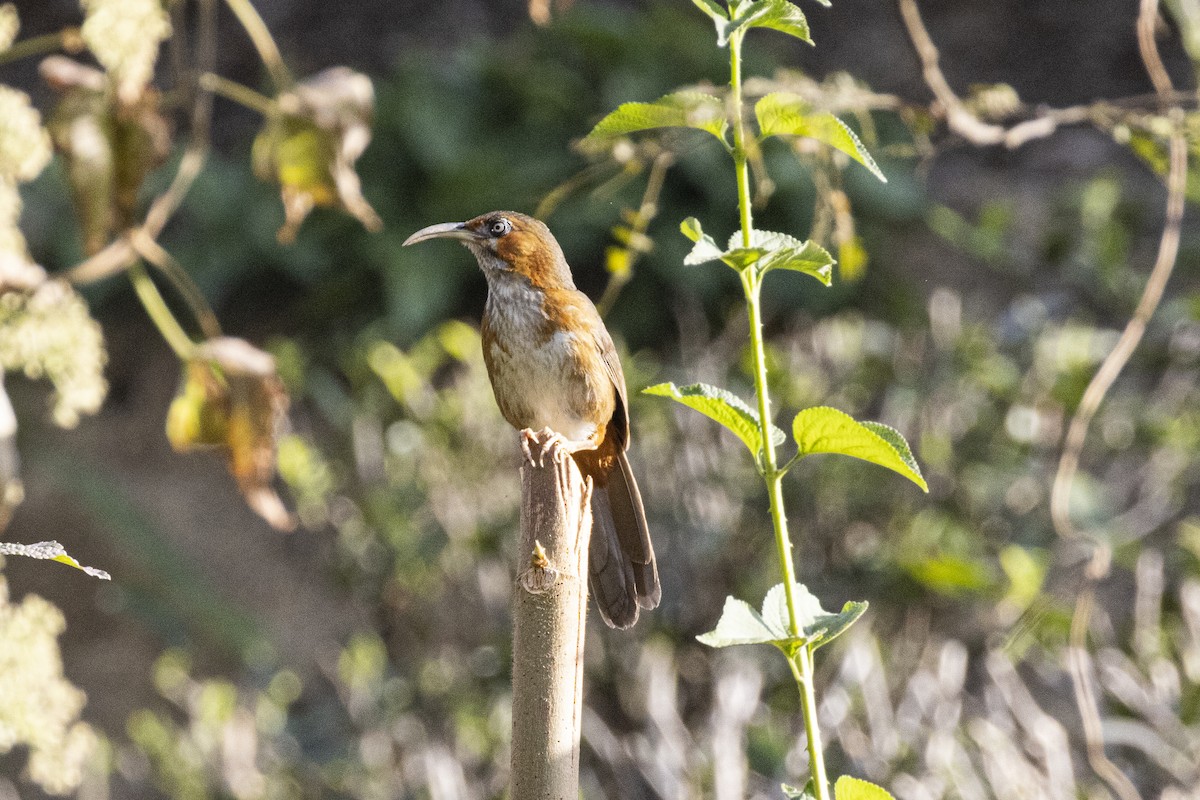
column 827, row 430
column 740, row 624
column 50, row 551
column 786, row 114
column 706, row 247
column 819, row 627
column 779, row 15
column 769, row 250
column 848, row 788
column 722, row 406
column 687, row 109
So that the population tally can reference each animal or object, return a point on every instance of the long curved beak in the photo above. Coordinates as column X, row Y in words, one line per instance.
column 443, row 230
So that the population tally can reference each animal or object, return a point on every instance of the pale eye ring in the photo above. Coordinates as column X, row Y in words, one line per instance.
column 499, row 228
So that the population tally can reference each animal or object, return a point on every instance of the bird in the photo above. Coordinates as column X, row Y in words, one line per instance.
column 552, row 365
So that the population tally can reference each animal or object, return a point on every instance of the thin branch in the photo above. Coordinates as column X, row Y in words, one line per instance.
column 1093, row 396
column 1080, row 665
column 647, row 211
column 264, row 43
column 242, row 95
column 68, row 39
column 154, row 253
column 160, row 314
column 958, row 117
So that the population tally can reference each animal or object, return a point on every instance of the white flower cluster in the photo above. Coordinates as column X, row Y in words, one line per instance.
column 10, row 24
column 47, row 332
column 125, row 35
column 39, row 708
column 24, row 143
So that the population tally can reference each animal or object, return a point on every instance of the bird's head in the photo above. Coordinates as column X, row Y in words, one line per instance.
column 507, row 243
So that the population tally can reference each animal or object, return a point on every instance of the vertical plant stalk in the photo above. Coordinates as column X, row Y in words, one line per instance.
column 549, row 616
column 800, row 659
column 159, row 313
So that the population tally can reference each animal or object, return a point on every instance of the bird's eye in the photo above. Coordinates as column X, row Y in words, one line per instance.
column 500, row 227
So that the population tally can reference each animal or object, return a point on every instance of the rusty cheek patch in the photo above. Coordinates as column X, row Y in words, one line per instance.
column 527, row 255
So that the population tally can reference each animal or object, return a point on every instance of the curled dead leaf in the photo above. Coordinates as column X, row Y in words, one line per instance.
column 310, row 145
column 232, row 399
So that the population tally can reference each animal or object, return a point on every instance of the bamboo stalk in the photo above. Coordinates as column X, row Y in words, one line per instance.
column 549, row 616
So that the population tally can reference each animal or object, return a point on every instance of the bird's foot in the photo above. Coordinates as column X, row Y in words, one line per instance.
column 536, row 446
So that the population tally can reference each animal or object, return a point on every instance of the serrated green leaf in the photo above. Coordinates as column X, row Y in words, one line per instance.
column 50, row 551
column 720, row 405
column 786, row 114
column 768, row 250
column 687, row 109
column 819, row 627
column 900, row 445
column 827, row 430
column 848, row 788
column 740, row 624
column 779, row 15
column 706, row 247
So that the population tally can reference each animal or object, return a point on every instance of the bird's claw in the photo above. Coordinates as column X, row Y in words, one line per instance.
column 546, row 442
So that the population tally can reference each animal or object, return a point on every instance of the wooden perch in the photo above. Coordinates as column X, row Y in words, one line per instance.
column 549, row 616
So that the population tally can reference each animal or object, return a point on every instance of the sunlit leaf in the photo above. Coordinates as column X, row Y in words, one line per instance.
column 50, row 551
column 852, row 259
column 706, row 248
column 767, row 251
column 785, row 114
column 722, row 406
column 827, row 430
column 848, row 788
column 689, row 109
column 311, row 145
column 779, row 15
column 818, row 626
column 719, row 17
column 740, row 624
column 232, row 399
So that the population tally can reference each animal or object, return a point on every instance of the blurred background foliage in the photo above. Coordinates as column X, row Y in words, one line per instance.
column 366, row 654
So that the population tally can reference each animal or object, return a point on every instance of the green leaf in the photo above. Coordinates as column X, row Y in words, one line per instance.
column 687, row 109
column 50, row 551
column 722, row 406
column 706, row 248
column 819, row 627
column 770, row 250
column 827, row 430
column 848, row 788
column 767, row 251
column 786, row 114
column 740, row 624
column 779, row 15
column 719, row 17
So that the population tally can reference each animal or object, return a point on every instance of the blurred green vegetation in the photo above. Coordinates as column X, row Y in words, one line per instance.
column 971, row 330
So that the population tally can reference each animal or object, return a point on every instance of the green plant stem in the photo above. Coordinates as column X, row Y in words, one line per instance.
column 739, row 148
column 67, row 39
column 264, row 43
column 801, row 661
column 159, row 313
column 242, row 95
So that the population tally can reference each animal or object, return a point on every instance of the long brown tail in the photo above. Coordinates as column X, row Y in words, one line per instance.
column 623, row 575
